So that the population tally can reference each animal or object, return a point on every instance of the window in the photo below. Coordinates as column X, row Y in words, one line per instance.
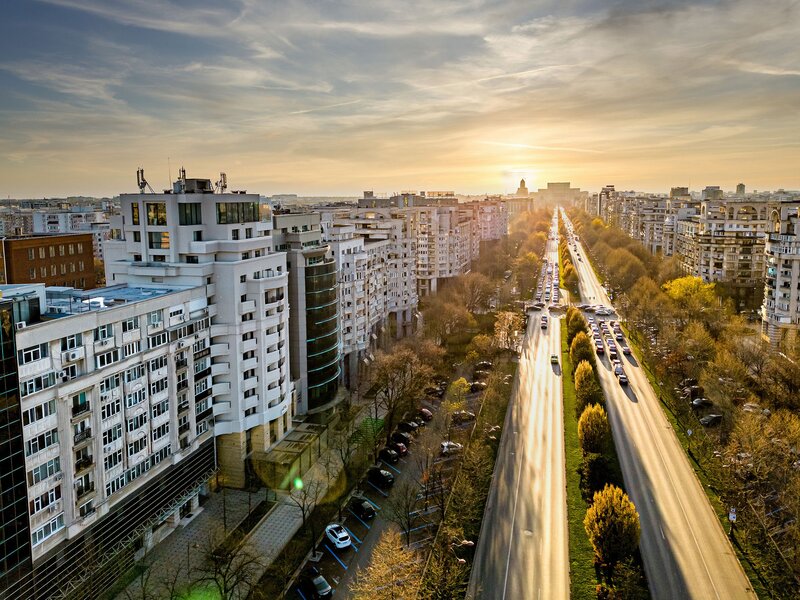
column 135, row 398
column 234, row 234
column 135, row 213
column 112, row 460
column 45, row 500
column 200, row 365
column 71, row 342
column 52, row 270
column 202, row 427
column 137, row 236
column 158, row 386
column 197, row 236
column 160, row 408
column 110, row 435
column 157, row 340
column 190, row 213
column 61, row 251
column 137, row 446
column 33, row 353
column 62, row 268
column 41, row 252
column 158, row 240
column 31, row 254
column 104, row 332
column 37, row 384
column 43, row 272
column 192, row 260
column 176, row 312
column 201, row 386
column 52, row 251
column 109, row 383
column 158, row 363
column 136, row 422
column 229, row 213
column 134, row 373
column 155, row 318
column 110, row 409
column 43, row 471
column 72, row 267
column 242, row 278
column 72, row 249
column 131, row 349
column 130, row 324
column 156, row 213
column 248, row 232
column 39, row 412
column 160, row 431
column 80, row 268
column 107, row 358
column 41, row 441
column 49, row 528
column 32, row 273
column 80, row 248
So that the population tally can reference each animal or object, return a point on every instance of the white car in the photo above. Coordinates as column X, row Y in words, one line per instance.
column 338, row 535
column 451, row 447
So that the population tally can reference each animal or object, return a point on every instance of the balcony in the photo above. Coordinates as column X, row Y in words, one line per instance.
column 83, row 463
column 83, row 490
column 79, row 409
column 181, row 363
column 82, row 435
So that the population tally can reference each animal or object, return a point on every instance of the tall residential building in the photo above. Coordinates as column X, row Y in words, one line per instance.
column 192, row 235
column 740, row 189
column 116, row 422
column 65, row 260
column 780, row 312
column 314, row 303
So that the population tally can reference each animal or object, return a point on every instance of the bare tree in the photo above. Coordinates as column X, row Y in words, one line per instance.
column 305, row 495
column 401, row 506
column 228, row 569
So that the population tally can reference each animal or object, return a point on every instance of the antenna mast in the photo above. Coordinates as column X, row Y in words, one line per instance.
column 222, row 184
column 142, row 182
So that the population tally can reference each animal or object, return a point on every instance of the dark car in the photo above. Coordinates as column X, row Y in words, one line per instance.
column 389, row 455
column 380, row 477
column 701, row 403
column 478, row 374
column 315, row 585
column 398, row 447
column 408, row 426
column 462, row 416
column 424, row 415
column 711, row 420
column 477, row 386
column 402, row 438
column 362, row 508
column 626, row 350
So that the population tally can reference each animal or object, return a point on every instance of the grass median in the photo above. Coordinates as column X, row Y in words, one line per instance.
column 581, row 555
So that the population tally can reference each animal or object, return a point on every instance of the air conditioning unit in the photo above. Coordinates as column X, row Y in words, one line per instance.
column 105, row 396
column 21, row 325
column 63, row 374
column 73, row 356
column 58, row 476
column 52, row 508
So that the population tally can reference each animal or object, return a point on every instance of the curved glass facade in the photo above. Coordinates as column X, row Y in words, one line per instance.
column 322, row 326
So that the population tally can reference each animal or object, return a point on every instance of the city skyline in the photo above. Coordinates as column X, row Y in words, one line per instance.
column 331, row 100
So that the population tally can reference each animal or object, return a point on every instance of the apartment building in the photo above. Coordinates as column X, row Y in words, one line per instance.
column 780, row 311
column 56, row 260
column 197, row 236
column 315, row 342
column 116, row 418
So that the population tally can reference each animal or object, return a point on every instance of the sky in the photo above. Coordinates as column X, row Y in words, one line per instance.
column 332, row 97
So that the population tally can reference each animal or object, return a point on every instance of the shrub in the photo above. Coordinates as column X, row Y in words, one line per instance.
column 595, row 474
column 581, row 349
column 594, row 432
column 612, row 525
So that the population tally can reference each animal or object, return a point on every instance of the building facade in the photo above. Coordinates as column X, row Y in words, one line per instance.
column 55, row 260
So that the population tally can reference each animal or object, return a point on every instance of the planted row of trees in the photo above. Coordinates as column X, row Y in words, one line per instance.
column 569, row 276
column 688, row 328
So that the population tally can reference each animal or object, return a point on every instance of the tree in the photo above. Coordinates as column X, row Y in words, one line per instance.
column 443, row 317
column 400, row 507
column 475, row 290
column 506, row 327
column 401, row 379
column 581, row 350
column 594, row 432
column 454, row 400
column 612, row 525
column 393, row 571
column 589, row 393
column 576, row 324
column 526, row 270
column 305, row 496
column 483, row 346
column 228, row 569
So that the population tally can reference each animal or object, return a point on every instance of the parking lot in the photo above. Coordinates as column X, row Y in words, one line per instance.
column 411, row 503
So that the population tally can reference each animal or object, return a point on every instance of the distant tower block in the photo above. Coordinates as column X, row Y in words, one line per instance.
column 740, row 189
column 522, row 190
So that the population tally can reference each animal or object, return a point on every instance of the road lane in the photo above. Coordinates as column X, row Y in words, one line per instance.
column 685, row 550
column 523, row 551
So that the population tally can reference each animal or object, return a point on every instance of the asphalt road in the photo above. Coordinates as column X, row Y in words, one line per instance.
column 522, row 552
column 685, row 550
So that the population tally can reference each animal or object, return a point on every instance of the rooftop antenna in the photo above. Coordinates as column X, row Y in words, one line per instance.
column 222, row 184
column 182, row 175
column 142, row 182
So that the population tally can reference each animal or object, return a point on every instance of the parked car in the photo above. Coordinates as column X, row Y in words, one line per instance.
column 380, row 477
column 362, row 508
column 477, row 386
column 398, row 447
column 388, row 455
column 338, row 536
column 554, row 359
column 484, row 364
column 408, row 426
column 314, row 585
column 701, row 403
column 711, row 420
column 451, row 447
column 424, row 415
column 462, row 416
column 402, row 438
column 478, row 374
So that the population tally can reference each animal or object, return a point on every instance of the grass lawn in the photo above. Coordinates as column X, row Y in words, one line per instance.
column 581, row 554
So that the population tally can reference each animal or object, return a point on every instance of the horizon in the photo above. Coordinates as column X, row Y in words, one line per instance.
column 328, row 99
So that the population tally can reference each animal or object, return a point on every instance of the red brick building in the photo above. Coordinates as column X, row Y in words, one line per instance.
column 60, row 259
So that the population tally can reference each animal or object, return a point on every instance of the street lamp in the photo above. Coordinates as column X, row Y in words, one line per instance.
column 460, row 544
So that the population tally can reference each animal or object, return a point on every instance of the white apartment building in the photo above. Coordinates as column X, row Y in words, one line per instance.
column 222, row 241
column 74, row 221
column 780, row 311
column 117, row 424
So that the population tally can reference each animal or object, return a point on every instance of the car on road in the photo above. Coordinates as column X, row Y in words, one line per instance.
column 380, row 477
column 544, row 323
column 408, row 426
column 626, row 350
column 338, row 536
column 314, row 586
column 463, row 416
column 388, row 455
column 451, row 448
column 618, row 370
column 402, row 438
column 362, row 508
column 711, row 420
column 554, row 359
column 599, row 349
column 399, row 447
column 623, row 379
